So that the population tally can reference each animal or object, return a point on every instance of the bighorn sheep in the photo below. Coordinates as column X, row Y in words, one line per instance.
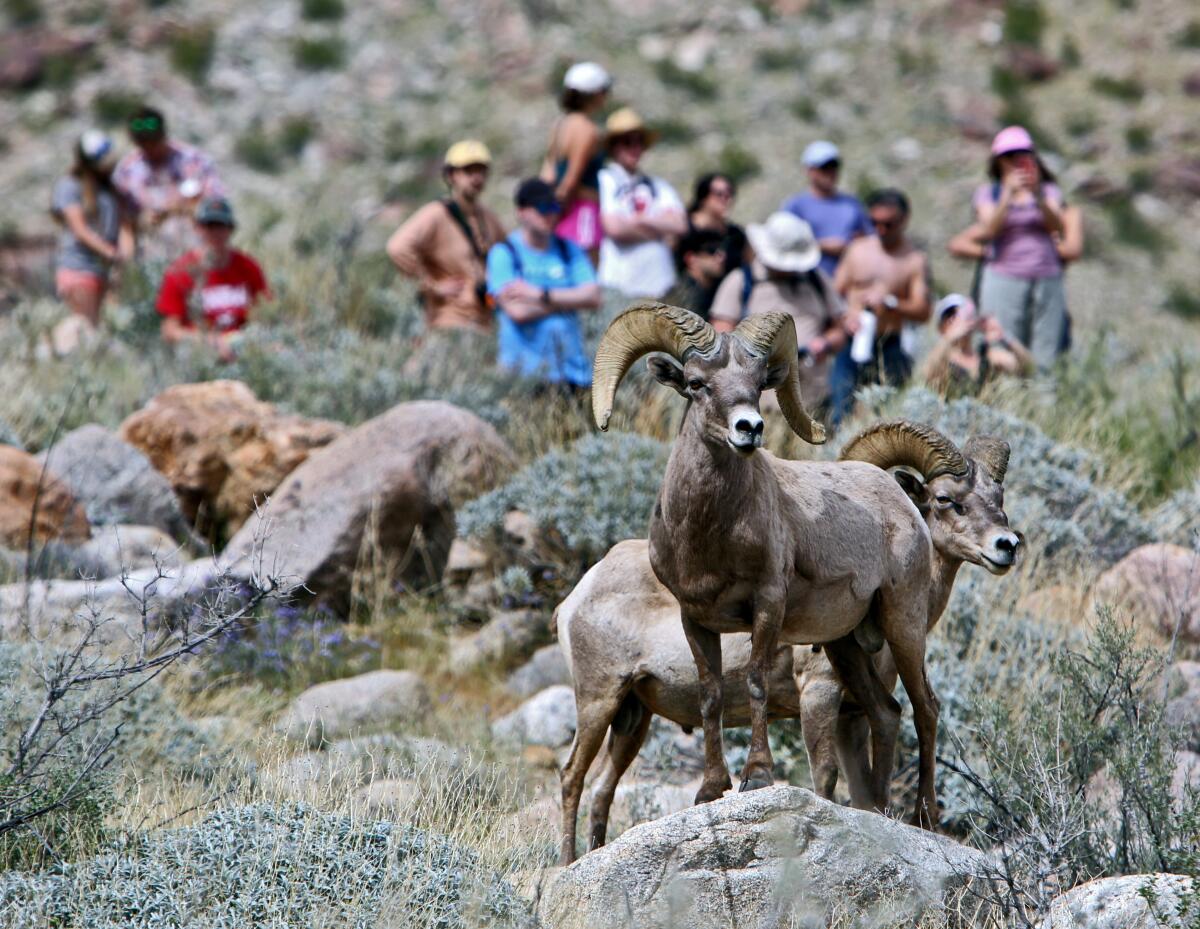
column 793, row 552
column 620, row 632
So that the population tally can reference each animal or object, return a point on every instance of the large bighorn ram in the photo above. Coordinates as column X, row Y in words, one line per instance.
column 620, row 632
column 792, row 552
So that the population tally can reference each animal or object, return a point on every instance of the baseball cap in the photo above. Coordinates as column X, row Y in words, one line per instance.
column 96, row 146
column 1012, row 139
column 820, row 153
column 587, row 77
column 467, row 152
column 536, row 193
column 215, row 211
column 951, row 303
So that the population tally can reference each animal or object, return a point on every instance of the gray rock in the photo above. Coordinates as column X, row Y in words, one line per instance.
column 398, row 477
column 115, row 482
column 546, row 668
column 779, row 856
column 510, row 637
column 545, row 719
column 372, row 701
column 1118, row 903
column 126, row 548
column 635, row 803
column 1183, row 702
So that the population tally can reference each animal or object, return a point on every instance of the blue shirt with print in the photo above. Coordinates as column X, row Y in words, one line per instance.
column 550, row 348
column 841, row 216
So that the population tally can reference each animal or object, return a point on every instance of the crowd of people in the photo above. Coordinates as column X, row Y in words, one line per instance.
column 594, row 217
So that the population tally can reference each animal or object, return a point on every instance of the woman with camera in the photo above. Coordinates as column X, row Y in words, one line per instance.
column 971, row 349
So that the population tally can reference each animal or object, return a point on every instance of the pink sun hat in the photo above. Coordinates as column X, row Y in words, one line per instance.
column 1012, row 139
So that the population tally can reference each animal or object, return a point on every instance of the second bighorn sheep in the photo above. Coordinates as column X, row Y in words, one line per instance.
column 620, row 633
column 793, row 552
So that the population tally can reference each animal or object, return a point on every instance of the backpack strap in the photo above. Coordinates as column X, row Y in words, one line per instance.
column 748, row 284
column 456, row 214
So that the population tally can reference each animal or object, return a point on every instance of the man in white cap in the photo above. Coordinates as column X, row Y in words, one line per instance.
column 836, row 217
column 444, row 245
column 786, row 277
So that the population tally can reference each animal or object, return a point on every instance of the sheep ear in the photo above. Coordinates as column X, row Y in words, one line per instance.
column 776, row 375
column 917, row 489
column 667, row 371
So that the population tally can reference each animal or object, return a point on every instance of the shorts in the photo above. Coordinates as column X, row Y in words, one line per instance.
column 70, row 280
column 581, row 224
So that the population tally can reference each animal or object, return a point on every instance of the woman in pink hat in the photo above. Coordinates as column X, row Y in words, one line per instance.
column 1020, row 217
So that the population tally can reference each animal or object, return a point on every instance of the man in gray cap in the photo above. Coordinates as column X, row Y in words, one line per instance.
column 836, row 217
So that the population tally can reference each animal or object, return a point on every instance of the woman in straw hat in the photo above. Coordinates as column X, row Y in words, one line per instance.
column 639, row 213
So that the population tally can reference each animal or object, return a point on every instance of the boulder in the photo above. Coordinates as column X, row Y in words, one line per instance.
column 1157, row 584
column 548, row 718
column 116, row 549
column 372, row 701
column 1120, row 903
column 115, row 482
column 547, row 667
column 636, row 802
column 387, row 490
column 222, row 449
column 1104, row 791
column 1183, row 702
column 774, row 857
column 1058, row 601
column 508, row 638
column 30, row 495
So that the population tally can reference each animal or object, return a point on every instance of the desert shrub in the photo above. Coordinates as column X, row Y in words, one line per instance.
column 1139, row 138
column 113, row 107
column 23, row 12
column 322, row 9
column 1124, row 89
column 295, row 133
column 282, row 867
column 191, row 50
column 1051, row 490
column 1033, row 768
column 698, row 84
column 1024, row 22
column 1189, row 35
column 9, row 436
column 738, row 162
column 585, row 498
column 1178, row 518
column 256, row 149
column 321, row 54
column 1183, row 301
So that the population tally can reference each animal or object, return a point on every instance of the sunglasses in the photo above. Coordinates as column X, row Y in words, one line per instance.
column 632, row 140
column 146, row 125
column 834, row 165
column 475, row 169
column 884, row 223
column 722, row 193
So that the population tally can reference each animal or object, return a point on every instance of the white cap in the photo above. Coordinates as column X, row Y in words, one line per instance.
column 95, row 145
column 587, row 77
column 820, row 153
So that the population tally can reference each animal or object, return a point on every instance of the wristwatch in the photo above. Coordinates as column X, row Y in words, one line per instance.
column 545, row 296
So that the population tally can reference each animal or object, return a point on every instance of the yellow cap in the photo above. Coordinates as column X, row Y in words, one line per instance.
column 467, row 152
column 626, row 120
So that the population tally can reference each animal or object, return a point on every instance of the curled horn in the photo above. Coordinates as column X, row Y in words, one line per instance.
column 913, row 445
column 990, row 452
column 774, row 335
column 646, row 326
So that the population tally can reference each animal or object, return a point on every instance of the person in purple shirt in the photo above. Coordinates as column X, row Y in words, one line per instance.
column 836, row 217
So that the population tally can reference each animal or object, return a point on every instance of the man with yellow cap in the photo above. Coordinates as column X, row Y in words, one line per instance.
column 444, row 245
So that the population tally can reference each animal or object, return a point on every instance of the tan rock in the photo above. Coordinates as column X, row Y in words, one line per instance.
column 221, row 448
column 366, row 702
column 1157, row 584
column 389, row 797
column 1059, row 601
column 57, row 514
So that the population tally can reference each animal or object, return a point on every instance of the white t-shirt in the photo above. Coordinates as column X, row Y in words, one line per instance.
column 643, row 269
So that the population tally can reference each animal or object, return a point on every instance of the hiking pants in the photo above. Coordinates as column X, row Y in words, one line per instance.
column 1032, row 310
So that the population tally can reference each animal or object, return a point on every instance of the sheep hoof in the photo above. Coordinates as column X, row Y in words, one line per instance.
column 754, row 783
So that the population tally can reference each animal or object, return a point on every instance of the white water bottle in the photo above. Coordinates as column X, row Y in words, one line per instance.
column 862, row 349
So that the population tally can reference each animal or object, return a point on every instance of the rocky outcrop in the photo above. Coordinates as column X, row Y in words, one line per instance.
column 30, row 496
column 1183, row 702
column 1158, row 585
column 761, row 859
column 509, row 637
column 374, row 701
column 382, row 496
column 115, row 482
column 222, row 450
column 1120, row 903
column 546, row 668
column 548, row 718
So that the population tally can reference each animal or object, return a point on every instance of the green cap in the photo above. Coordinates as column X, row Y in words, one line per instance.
column 215, row 211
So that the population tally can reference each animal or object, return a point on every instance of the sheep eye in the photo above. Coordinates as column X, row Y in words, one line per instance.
column 695, row 383
column 945, row 501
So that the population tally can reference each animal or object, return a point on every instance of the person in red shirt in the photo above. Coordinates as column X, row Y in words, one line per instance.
column 231, row 282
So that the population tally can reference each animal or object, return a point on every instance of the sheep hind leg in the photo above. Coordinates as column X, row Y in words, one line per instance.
column 852, row 738
column 623, row 748
column 819, row 702
column 593, row 721
column 706, row 650
column 859, row 677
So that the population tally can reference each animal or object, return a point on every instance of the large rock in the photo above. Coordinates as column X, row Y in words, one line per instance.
column 1183, row 702
column 116, row 549
column 1120, row 903
column 30, row 495
column 372, row 701
column 1157, row 584
column 377, row 491
column 547, row 718
column 222, row 449
column 508, row 638
column 115, row 482
column 775, row 857
column 547, row 667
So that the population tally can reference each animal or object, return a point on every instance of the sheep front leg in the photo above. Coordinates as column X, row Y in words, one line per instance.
column 706, row 650
column 764, row 638
column 909, row 655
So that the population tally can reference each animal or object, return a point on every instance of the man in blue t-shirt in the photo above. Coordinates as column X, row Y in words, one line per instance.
column 538, row 280
column 835, row 217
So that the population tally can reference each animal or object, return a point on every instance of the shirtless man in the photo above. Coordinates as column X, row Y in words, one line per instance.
column 888, row 276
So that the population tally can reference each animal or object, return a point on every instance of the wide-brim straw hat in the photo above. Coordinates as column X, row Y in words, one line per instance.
column 785, row 242
column 625, row 121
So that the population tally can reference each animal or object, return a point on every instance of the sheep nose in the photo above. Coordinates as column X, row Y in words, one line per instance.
column 1007, row 545
column 749, row 425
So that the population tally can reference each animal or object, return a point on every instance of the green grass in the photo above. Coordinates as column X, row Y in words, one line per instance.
column 1183, row 301
column 699, row 84
column 191, row 49
column 325, row 54
column 113, row 107
column 1140, row 138
column 1024, row 22
column 1124, row 89
column 780, row 59
column 1189, row 35
column 738, row 162
column 322, row 10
